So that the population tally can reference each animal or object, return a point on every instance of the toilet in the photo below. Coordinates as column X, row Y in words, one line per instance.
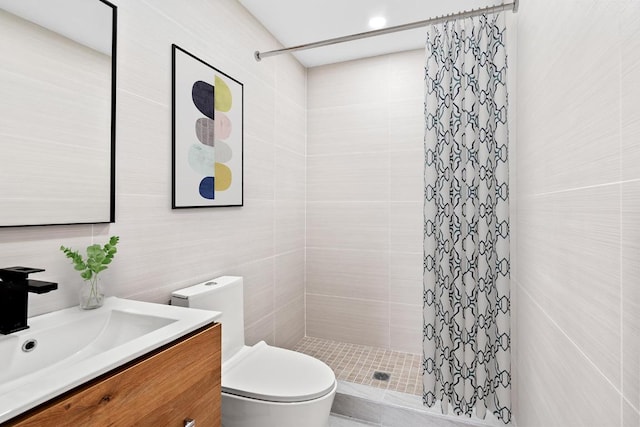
column 262, row 385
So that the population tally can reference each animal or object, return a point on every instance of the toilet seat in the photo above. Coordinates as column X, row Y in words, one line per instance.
column 275, row 374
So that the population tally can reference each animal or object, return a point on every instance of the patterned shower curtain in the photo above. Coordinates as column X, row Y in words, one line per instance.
column 466, row 340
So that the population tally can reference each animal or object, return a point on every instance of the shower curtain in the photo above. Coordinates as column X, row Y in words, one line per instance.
column 466, row 339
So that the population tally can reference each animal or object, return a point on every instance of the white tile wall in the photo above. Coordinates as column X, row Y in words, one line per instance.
column 405, row 270
column 346, row 85
column 289, row 323
column 630, row 272
column 348, row 273
column 350, row 176
column 577, row 193
column 289, row 278
column 404, row 336
column 163, row 249
column 347, row 129
column 345, row 224
column 352, row 320
column 364, row 201
column 559, row 385
column 570, row 257
column 630, row 89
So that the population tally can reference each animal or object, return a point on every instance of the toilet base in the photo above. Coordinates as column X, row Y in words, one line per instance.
column 240, row 411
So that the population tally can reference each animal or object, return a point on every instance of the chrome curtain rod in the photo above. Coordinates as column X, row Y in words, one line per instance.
column 437, row 20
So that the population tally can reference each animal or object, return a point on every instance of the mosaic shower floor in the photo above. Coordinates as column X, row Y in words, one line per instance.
column 358, row 363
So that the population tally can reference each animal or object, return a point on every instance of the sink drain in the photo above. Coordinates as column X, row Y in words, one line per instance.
column 382, row 376
column 29, row 345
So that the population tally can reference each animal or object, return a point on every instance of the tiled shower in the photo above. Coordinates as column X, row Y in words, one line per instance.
column 364, row 201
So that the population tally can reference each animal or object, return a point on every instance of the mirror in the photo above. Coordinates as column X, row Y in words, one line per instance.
column 57, row 112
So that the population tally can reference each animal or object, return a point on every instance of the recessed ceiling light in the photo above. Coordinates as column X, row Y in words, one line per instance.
column 377, row 22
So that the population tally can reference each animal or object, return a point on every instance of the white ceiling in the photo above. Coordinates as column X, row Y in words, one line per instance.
column 295, row 22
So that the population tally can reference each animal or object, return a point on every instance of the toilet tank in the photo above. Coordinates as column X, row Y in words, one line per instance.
column 223, row 294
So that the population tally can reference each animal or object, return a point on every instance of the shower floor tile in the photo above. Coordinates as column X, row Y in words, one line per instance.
column 357, row 364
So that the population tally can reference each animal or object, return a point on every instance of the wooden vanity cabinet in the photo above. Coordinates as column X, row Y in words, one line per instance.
column 177, row 382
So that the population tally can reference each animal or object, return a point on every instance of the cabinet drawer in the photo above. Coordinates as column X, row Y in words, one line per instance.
column 176, row 382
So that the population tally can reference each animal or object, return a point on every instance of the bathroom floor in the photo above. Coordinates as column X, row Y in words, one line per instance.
column 358, row 364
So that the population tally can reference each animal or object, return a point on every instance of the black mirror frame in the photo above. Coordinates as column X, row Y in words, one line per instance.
column 112, row 178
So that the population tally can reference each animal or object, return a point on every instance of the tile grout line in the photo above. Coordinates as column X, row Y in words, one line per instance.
column 569, row 339
column 620, row 231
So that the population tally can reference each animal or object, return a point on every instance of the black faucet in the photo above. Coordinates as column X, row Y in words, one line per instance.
column 14, row 289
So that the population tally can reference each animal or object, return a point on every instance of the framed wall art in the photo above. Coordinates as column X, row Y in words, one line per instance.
column 207, row 123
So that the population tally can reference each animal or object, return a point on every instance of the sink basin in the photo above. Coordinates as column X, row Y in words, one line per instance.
column 66, row 348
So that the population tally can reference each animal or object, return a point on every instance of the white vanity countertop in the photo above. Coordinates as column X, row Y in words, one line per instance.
column 75, row 346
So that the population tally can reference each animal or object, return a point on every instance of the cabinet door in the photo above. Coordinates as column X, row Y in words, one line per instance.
column 179, row 382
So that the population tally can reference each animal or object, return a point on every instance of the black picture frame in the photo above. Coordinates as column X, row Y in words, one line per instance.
column 207, row 149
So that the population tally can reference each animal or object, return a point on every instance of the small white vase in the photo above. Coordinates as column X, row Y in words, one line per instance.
column 91, row 293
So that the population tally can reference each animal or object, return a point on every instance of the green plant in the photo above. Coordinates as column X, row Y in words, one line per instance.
column 98, row 258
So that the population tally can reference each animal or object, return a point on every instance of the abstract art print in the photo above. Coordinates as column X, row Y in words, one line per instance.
column 207, row 134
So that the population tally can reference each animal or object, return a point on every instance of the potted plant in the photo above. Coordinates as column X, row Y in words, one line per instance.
column 98, row 260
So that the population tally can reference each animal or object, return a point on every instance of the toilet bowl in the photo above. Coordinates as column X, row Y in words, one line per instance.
column 262, row 385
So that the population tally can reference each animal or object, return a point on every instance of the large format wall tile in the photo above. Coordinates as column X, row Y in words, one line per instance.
column 259, row 288
column 291, row 126
column 342, row 225
column 348, row 273
column 290, row 225
column 349, row 320
column 364, row 198
column 568, row 95
column 349, row 129
column 406, row 169
column 289, row 277
column 335, row 121
column 406, row 224
column 290, row 175
column 569, row 253
column 134, row 128
column 406, row 125
column 357, row 140
column 262, row 330
column 631, row 293
column 259, row 111
column 259, row 168
column 630, row 416
column 406, row 76
column 405, row 323
column 559, row 385
column 146, row 45
column 291, row 83
column 347, row 177
column 353, row 82
column 290, row 325
column 405, row 277
column 630, row 84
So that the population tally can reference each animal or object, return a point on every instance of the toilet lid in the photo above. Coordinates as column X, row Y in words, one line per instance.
column 277, row 375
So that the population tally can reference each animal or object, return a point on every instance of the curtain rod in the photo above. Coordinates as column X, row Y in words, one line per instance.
column 439, row 19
